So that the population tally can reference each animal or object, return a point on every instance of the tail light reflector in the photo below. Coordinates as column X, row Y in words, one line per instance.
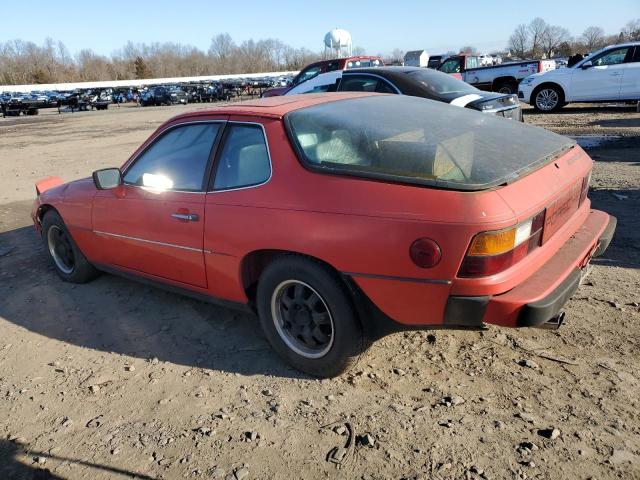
column 425, row 253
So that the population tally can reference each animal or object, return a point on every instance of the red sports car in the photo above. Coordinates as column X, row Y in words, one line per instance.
column 339, row 218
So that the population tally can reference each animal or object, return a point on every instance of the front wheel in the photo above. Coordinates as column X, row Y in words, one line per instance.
column 548, row 99
column 308, row 316
column 70, row 264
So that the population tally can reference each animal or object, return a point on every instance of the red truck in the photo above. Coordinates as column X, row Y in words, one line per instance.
column 325, row 66
column 503, row 78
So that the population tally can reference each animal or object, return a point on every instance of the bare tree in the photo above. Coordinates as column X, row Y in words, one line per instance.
column 593, row 38
column 469, row 50
column 358, row 51
column 537, row 31
column 631, row 30
column 553, row 37
column 397, row 55
column 519, row 41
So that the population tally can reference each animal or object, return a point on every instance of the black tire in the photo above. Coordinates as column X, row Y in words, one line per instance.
column 547, row 98
column 69, row 262
column 346, row 342
column 508, row 87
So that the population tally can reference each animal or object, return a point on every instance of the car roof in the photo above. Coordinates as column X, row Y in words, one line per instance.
column 274, row 107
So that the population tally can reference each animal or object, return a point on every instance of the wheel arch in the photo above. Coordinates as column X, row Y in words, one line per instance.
column 255, row 262
column 505, row 79
column 374, row 322
column 549, row 84
column 42, row 210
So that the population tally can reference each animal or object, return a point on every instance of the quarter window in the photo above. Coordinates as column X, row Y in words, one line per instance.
column 177, row 160
column 244, row 160
column 364, row 83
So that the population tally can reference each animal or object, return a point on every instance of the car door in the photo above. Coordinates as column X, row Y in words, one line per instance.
column 241, row 171
column 601, row 80
column 363, row 82
column 630, row 84
column 154, row 222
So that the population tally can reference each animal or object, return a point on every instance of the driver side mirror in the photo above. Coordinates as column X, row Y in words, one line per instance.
column 586, row 65
column 107, row 178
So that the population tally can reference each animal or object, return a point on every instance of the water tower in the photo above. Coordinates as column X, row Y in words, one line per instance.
column 338, row 43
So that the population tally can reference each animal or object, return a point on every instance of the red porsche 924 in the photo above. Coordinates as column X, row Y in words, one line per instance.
column 339, row 218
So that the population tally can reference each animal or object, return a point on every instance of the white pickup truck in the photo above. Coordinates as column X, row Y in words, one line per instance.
column 501, row 78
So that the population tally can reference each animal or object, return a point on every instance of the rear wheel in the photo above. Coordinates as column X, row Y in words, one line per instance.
column 548, row 98
column 70, row 264
column 508, row 87
column 308, row 317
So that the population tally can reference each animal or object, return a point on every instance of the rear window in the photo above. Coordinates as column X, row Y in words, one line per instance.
column 418, row 141
column 441, row 83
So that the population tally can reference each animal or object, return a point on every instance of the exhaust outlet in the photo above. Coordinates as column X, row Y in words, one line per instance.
column 553, row 323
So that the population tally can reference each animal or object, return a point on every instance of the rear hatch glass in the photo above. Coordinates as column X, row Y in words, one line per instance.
column 418, row 141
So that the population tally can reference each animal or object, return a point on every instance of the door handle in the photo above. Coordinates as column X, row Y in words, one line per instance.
column 188, row 217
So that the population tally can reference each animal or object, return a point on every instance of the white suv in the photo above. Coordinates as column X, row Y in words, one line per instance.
column 610, row 74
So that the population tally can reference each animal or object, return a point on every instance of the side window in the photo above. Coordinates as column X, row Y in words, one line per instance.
column 244, row 160
column 472, row 62
column 636, row 55
column 612, row 57
column 177, row 160
column 364, row 83
column 307, row 74
column 451, row 66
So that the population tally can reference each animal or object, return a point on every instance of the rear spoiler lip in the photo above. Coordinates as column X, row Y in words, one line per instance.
column 47, row 183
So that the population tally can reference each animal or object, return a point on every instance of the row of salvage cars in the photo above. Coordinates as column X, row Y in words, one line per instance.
column 340, row 217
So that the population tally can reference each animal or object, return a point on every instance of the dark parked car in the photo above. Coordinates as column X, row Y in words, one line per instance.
column 167, row 96
column 147, row 98
column 417, row 82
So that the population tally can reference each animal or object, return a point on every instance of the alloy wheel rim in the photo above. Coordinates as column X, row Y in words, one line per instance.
column 547, row 99
column 302, row 319
column 60, row 249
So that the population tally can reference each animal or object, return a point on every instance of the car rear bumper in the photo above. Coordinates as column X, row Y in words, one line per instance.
column 541, row 297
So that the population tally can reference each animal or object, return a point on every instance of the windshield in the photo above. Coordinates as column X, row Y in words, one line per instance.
column 413, row 140
column 441, row 83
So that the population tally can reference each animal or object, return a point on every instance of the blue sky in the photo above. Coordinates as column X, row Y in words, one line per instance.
column 377, row 26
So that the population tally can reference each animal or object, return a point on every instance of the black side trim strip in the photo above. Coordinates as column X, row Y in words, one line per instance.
column 178, row 290
column 399, row 279
column 465, row 311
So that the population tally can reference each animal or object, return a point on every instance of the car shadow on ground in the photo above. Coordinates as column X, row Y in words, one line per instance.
column 113, row 314
column 11, row 468
column 624, row 250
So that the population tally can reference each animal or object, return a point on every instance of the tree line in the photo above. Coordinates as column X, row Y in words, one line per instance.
column 541, row 39
column 24, row 62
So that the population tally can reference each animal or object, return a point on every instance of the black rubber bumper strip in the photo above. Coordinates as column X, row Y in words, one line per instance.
column 465, row 311
column 607, row 236
column 537, row 313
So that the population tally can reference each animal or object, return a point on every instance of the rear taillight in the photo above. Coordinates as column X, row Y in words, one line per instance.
column 495, row 251
column 539, row 66
column 585, row 188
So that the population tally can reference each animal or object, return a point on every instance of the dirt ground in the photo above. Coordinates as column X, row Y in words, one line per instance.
column 115, row 380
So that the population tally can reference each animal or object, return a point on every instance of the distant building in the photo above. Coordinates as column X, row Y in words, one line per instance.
column 416, row 58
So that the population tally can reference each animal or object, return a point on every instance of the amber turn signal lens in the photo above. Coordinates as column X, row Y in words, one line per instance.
column 425, row 253
column 493, row 243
